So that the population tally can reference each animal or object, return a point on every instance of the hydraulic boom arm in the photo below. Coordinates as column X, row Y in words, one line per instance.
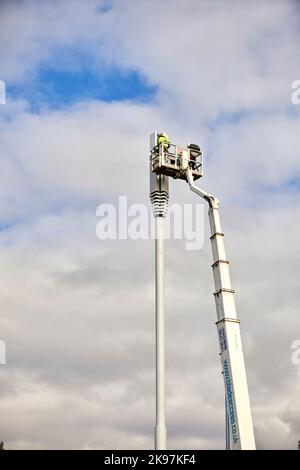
column 231, row 352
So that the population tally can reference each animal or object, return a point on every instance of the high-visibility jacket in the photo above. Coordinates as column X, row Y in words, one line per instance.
column 163, row 140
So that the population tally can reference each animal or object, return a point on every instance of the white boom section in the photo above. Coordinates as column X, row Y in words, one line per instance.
column 231, row 352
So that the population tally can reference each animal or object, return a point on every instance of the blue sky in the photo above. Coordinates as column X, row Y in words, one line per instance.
column 58, row 88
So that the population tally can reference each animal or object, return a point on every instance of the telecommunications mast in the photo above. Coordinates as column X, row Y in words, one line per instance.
column 159, row 195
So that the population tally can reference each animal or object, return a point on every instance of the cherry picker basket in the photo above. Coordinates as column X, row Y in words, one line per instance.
column 173, row 161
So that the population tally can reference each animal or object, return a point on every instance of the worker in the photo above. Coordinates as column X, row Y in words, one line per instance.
column 163, row 139
column 194, row 154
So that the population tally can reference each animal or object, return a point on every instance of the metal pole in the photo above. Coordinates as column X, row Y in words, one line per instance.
column 160, row 428
column 159, row 195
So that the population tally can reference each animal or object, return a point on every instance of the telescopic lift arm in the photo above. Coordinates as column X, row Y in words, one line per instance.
column 241, row 435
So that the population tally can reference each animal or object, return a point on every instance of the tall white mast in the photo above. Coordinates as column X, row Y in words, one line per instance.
column 159, row 195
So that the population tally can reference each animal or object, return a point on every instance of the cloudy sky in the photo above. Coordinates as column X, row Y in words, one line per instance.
column 87, row 81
